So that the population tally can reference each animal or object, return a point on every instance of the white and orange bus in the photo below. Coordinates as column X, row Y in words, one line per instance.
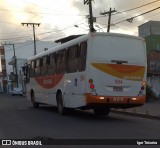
column 96, row 71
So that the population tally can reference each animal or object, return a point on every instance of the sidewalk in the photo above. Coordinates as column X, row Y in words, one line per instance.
column 148, row 110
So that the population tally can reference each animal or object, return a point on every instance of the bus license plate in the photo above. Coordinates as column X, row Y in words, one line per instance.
column 117, row 88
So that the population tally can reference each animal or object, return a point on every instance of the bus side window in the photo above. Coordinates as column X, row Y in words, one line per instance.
column 32, row 69
column 72, row 61
column 44, row 66
column 38, row 68
column 61, row 61
column 52, row 64
column 82, row 56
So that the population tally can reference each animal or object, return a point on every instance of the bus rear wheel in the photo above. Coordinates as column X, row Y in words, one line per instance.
column 101, row 110
column 61, row 108
column 35, row 104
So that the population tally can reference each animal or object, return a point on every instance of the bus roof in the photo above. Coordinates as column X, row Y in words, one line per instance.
column 78, row 40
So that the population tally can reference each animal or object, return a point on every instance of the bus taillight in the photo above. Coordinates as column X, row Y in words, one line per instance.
column 91, row 84
column 143, row 88
column 92, row 87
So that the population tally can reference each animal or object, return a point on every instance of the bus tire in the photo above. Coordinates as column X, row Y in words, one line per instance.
column 101, row 110
column 35, row 104
column 61, row 108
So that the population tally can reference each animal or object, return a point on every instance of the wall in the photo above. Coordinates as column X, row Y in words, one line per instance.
column 152, row 43
column 153, row 66
column 151, row 32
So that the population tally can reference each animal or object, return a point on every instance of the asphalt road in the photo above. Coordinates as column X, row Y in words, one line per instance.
column 19, row 120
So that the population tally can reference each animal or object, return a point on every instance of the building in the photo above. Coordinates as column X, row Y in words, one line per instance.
column 149, row 28
column 151, row 32
column 14, row 64
column 3, row 75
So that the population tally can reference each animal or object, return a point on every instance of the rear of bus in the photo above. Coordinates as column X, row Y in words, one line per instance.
column 116, row 71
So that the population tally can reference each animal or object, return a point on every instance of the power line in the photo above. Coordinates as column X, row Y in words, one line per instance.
column 137, row 7
column 123, row 28
column 43, row 33
column 131, row 19
column 47, row 8
column 18, row 38
column 103, row 3
column 133, row 8
column 42, row 13
column 8, row 23
column 65, row 28
column 116, row 23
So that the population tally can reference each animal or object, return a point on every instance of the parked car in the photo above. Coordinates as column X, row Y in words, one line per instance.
column 17, row 91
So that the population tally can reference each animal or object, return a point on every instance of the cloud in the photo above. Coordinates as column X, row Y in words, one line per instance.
column 34, row 12
column 59, row 17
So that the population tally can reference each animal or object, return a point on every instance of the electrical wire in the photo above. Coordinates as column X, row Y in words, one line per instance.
column 128, row 10
column 137, row 7
column 131, row 19
column 56, row 32
column 64, row 14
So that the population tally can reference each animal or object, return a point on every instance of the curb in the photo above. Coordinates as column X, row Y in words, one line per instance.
column 136, row 114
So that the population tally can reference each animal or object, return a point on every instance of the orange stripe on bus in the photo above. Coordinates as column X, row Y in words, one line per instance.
column 49, row 81
column 128, row 72
column 125, row 68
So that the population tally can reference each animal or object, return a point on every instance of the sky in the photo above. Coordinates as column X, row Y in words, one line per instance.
column 60, row 18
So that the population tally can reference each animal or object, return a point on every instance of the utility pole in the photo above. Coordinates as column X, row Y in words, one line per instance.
column 109, row 17
column 15, row 61
column 89, row 2
column 33, row 25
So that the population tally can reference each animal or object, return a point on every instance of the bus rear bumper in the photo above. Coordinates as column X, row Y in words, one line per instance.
column 115, row 101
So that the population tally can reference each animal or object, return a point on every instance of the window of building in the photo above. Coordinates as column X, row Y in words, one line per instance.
column 82, row 56
column 61, row 61
column 72, row 59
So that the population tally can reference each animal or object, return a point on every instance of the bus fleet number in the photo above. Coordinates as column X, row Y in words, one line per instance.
column 118, row 99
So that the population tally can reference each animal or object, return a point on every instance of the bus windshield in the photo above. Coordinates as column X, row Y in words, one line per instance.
column 118, row 49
